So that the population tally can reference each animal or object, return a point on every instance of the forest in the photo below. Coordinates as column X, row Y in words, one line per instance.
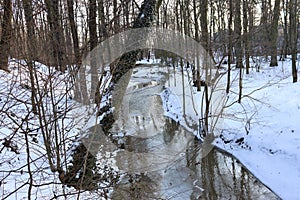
column 149, row 99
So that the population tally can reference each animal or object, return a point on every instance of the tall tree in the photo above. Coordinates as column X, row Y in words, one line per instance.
column 186, row 16
column 238, row 34
column 203, row 24
column 293, row 37
column 92, row 23
column 195, row 16
column 102, row 24
column 79, row 94
column 6, row 35
column 196, row 68
column 238, row 43
column 246, row 34
column 285, row 46
column 229, row 45
column 28, row 11
column 56, row 34
column 74, row 32
column 116, row 16
column 264, row 26
column 274, row 33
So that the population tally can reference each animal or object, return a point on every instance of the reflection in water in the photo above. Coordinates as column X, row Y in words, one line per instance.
column 217, row 176
column 223, row 177
column 166, row 162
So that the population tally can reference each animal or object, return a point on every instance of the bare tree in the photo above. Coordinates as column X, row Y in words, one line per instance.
column 27, row 4
column 285, row 45
column 274, row 33
column 74, row 31
column 246, row 33
column 5, row 35
column 92, row 23
column 229, row 45
column 238, row 34
column 56, row 34
column 293, row 36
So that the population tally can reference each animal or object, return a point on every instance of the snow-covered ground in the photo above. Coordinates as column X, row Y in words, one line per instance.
column 263, row 132
column 17, row 119
column 271, row 128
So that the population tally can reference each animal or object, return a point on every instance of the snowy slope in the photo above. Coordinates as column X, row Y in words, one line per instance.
column 271, row 130
column 15, row 122
column 263, row 132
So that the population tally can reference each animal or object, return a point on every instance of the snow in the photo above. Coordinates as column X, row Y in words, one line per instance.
column 266, row 122
column 272, row 151
column 15, row 103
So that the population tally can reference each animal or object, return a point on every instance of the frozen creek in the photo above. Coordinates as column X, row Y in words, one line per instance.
column 162, row 160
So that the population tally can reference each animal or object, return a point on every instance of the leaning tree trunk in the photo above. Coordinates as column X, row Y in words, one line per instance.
column 128, row 60
column 82, row 154
column 274, row 34
column 6, row 35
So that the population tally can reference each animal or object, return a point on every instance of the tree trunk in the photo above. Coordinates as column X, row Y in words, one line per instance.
column 102, row 24
column 27, row 4
column 274, row 34
column 264, row 24
column 92, row 23
column 116, row 17
column 6, row 35
column 186, row 17
column 293, row 34
column 74, row 32
column 196, row 68
column 196, row 21
column 237, row 34
column 128, row 60
column 123, row 65
column 56, row 34
column 251, row 26
column 229, row 45
column 285, row 45
column 78, row 93
column 246, row 33
column 203, row 24
column 177, row 13
column 126, row 13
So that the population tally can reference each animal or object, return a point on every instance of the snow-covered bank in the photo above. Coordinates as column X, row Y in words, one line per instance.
column 271, row 131
column 263, row 132
column 18, row 120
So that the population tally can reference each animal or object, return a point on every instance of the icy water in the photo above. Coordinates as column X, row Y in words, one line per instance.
column 161, row 160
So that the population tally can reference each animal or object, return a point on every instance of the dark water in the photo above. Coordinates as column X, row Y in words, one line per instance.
column 162, row 160
column 158, row 159
column 186, row 175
